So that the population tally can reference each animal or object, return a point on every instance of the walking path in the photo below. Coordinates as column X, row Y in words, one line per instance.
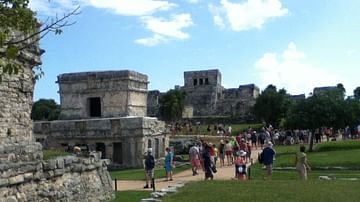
column 224, row 173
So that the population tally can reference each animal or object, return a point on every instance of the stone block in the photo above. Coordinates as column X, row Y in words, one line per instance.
column 49, row 165
column 59, row 172
column 4, row 182
column 11, row 199
column 16, row 179
column 60, row 163
column 28, row 176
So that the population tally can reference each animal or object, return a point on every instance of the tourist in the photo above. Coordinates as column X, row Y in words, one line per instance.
column 240, row 165
column 268, row 155
column 248, row 152
column 229, row 130
column 254, row 139
column 207, row 163
column 302, row 163
column 169, row 164
column 149, row 168
column 262, row 139
column 216, row 153
column 194, row 155
column 222, row 153
column 228, row 152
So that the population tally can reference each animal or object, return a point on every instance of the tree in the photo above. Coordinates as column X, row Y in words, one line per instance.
column 45, row 110
column 328, row 109
column 271, row 106
column 357, row 93
column 172, row 105
column 19, row 29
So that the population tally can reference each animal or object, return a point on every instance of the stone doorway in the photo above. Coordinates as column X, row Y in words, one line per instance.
column 102, row 148
column 117, row 153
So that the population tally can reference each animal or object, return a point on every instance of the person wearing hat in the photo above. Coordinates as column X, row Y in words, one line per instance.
column 149, row 168
column 268, row 158
column 240, row 165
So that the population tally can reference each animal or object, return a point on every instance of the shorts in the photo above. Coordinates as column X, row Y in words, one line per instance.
column 228, row 153
column 195, row 162
column 149, row 173
column 269, row 169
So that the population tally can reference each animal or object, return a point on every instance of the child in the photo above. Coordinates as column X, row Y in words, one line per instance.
column 240, row 165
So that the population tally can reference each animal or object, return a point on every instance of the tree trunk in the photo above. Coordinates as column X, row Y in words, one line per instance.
column 311, row 144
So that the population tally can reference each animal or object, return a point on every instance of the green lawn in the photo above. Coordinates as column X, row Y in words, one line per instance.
column 263, row 191
column 332, row 154
column 138, row 174
column 131, row 196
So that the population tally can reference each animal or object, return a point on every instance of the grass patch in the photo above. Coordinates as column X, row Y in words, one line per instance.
column 289, row 190
column 53, row 153
column 338, row 146
column 236, row 129
column 138, row 174
column 130, row 196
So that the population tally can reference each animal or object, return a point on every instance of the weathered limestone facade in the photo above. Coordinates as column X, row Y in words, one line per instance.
column 205, row 96
column 24, row 175
column 123, row 140
column 105, row 111
column 102, row 94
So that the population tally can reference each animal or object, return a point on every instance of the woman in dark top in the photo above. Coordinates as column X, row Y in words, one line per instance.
column 207, row 163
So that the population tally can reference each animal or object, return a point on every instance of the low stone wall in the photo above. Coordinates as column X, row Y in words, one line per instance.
column 69, row 178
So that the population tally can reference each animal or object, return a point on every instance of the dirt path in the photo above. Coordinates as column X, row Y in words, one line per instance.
column 224, row 173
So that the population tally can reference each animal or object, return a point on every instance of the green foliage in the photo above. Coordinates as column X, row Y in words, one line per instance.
column 327, row 109
column 357, row 93
column 172, row 105
column 45, row 109
column 53, row 153
column 272, row 105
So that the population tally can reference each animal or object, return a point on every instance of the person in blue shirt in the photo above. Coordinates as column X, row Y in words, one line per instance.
column 169, row 164
column 268, row 158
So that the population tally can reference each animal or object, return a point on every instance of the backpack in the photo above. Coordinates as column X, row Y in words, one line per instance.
column 261, row 158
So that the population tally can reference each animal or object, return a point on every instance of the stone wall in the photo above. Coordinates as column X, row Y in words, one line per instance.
column 123, row 140
column 16, row 93
column 69, row 178
column 119, row 93
column 24, row 176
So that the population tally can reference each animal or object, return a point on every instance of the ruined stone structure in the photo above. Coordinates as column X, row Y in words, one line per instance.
column 24, row 175
column 105, row 111
column 205, row 96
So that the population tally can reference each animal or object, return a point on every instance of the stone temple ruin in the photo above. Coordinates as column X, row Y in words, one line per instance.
column 205, row 96
column 24, row 175
column 106, row 112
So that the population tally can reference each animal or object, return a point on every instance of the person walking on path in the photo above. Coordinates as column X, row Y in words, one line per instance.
column 169, row 164
column 302, row 163
column 207, row 163
column 194, row 155
column 149, row 168
column 268, row 158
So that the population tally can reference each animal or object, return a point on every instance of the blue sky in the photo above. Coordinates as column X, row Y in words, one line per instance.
column 296, row 45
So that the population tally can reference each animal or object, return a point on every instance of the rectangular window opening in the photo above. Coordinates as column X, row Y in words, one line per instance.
column 94, row 104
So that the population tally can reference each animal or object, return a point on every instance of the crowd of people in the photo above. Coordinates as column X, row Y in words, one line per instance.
column 236, row 151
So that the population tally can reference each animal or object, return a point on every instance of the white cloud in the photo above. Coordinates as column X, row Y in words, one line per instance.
column 165, row 29
column 216, row 12
column 247, row 15
column 291, row 71
column 152, row 41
